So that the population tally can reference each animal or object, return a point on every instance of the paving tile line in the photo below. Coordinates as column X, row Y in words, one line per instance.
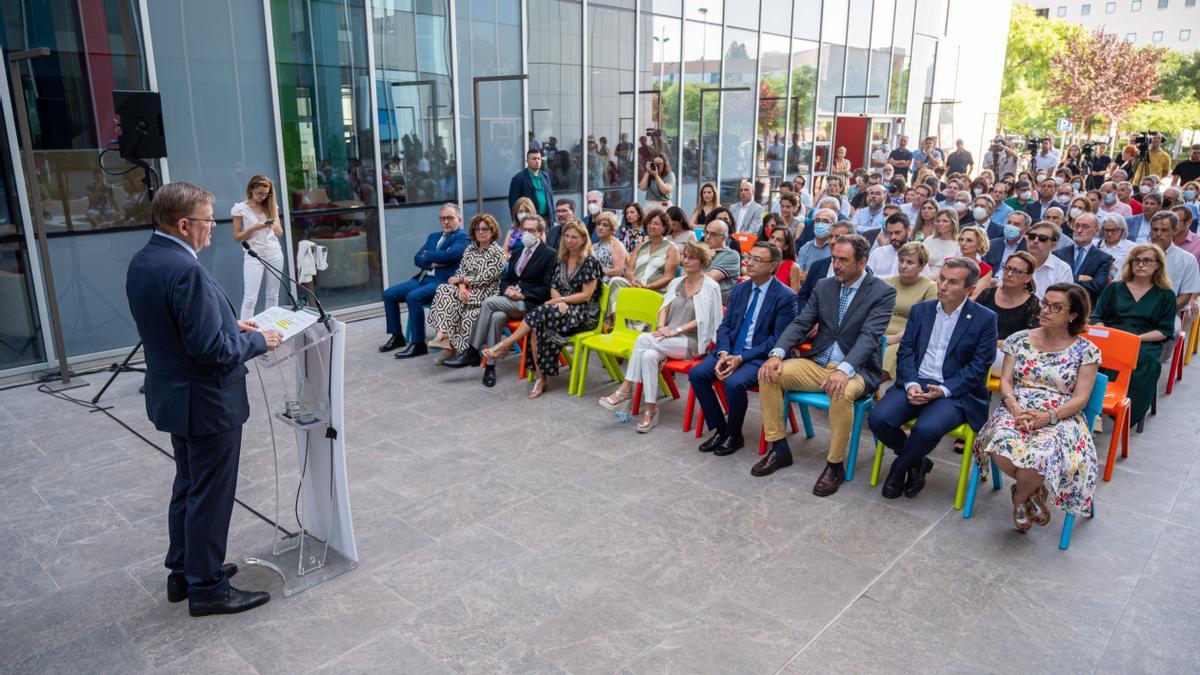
column 866, row 588
column 1125, row 607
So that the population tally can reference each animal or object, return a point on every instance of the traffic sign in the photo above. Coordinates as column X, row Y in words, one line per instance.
column 1064, row 124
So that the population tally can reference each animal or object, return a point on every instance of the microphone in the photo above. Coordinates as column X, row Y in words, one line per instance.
column 324, row 318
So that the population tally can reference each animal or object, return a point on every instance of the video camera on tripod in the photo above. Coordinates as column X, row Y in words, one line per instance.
column 1032, row 145
column 1142, row 140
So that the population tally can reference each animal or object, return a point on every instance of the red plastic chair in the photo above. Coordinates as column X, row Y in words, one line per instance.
column 1119, row 353
column 523, row 345
column 1176, row 372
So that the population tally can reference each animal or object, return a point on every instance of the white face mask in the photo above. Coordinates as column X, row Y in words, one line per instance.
column 1076, row 212
column 528, row 239
column 1145, row 189
column 977, row 191
column 593, row 208
column 1041, row 177
column 1058, row 180
column 1027, row 195
column 979, row 213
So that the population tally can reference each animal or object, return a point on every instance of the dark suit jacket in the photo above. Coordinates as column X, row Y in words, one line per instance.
column 1135, row 224
column 777, row 311
column 858, row 335
column 1036, row 210
column 816, row 272
column 537, row 277
column 995, row 252
column 447, row 256
column 553, row 236
column 521, row 185
column 1096, row 264
column 968, row 359
column 195, row 380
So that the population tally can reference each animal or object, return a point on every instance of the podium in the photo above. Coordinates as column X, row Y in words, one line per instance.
column 309, row 366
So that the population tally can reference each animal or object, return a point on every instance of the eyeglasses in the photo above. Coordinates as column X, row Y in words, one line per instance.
column 1013, row 271
column 823, row 222
column 203, row 220
column 1110, row 230
column 1052, row 307
column 447, row 219
column 1144, row 262
column 483, row 228
column 1034, row 236
column 711, row 233
column 757, row 260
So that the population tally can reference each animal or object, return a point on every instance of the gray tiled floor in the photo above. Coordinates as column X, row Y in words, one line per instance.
column 499, row 534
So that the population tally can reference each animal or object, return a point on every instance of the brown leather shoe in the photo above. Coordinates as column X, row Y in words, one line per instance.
column 828, row 482
column 771, row 463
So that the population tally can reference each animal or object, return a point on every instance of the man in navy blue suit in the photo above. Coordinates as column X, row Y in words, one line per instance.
column 196, row 391
column 757, row 312
column 436, row 262
column 1091, row 266
column 941, row 376
column 1011, row 240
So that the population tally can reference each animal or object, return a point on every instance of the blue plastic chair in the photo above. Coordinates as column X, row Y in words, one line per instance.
column 1090, row 412
column 820, row 400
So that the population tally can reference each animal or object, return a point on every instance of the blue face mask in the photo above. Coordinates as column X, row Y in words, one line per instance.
column 1189, row 195
column 821, row 229
column 1110, row 198
column 1011, row 232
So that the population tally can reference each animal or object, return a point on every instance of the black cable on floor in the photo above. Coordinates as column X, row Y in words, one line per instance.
column 95, row 408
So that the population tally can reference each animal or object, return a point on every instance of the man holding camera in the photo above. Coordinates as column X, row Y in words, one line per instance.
column 1154, row 160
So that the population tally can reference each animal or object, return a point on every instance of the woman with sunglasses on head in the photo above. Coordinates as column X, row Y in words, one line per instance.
column 256, row 222
column 1038, row 436
column 512, row 241
column 457, row 303
column 1141, row 302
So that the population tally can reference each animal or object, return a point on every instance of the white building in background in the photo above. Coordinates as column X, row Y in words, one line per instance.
column 1174, row 24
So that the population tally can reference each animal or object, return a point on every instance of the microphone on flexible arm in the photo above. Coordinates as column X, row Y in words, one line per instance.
column 324, row 318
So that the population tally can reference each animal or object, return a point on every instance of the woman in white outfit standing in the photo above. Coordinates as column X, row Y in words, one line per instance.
column 256, row 221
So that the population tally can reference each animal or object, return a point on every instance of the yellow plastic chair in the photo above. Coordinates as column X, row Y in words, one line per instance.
column 963, row 431
column 577, row 339
column 633, row 304
column 1193, row 341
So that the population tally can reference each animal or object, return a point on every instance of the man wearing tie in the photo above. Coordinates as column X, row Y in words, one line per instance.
column 525, row 283
column 850, row 312
column 756, row 315
column 941, row 376
column 436, row 262
column 196, row 391
column 1091, row 267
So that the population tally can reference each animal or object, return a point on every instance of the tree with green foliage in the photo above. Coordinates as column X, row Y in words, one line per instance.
column 1033, row 42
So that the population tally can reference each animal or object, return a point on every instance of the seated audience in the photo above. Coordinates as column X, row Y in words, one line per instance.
column 1011, row 240
column 708, row 202
column 973, row 244
column 1091, row 268
column 1038, row 435
column 652, row 264
column 681, row 231
column 823, row 268
column 1113, row 240
column 788, row 272
column 944, row 242
column 609, row 251
column 758, row 311
column 1042, row 239
column 726, row 264
column 912, row 286
column 573, row 306
column 884, row 260
column 1013, row 300
column 525, row 285
column 687, row 327
column 436, row 262
column 457, row 303
column 1182, row 269
column 1141, row 302
column 819, row 247
column 512, row 241
column 850, row 313
column 941, row 377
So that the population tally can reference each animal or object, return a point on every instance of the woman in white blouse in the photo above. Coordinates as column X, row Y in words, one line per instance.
column 1114, row 239
column 256, row 221
column 944, row 242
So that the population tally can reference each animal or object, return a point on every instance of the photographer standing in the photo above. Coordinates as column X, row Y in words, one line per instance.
column 1046, row 159
column 1000, row 159
column 1099, row 165
column 1155, row 160
column 657, row 182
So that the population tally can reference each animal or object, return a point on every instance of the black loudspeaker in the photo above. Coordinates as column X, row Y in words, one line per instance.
column 142, row 135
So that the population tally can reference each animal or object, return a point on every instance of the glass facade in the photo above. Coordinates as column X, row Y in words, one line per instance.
column 364, row 113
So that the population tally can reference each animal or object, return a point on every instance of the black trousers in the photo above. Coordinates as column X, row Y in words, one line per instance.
column 201, row 505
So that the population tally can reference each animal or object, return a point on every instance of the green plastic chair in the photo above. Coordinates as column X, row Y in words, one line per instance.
column 963, row 431
column 633, row 304
column 577, row 339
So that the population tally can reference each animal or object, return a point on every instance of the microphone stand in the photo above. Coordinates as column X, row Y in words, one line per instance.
column 324, row 318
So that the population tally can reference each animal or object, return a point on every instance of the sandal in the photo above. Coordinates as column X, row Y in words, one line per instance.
column 649, row 421
column 493, row 355
column 960, row 446
column 1039, row 512
column 440, row 342
column 614, row 400
column 539, row 388
column 1020, row 514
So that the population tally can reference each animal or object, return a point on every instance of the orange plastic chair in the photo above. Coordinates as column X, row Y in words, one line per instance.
column 522, row 370
column 745, row 241
column 1118, row 353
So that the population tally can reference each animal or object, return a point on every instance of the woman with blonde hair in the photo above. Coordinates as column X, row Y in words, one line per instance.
column 944, row 242
column 708, row 201
column 573, row 306
column 456, row 303
column 256, row 222
column 521, row 209
column 973, row 243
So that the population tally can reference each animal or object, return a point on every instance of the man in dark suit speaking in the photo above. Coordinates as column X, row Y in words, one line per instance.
column 196, row 391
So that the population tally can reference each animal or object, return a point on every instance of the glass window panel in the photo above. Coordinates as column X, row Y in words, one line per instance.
column 804, row 84
column 833, row 53
column 555, row 89
column 665, row 7
column 702, row 69
column 659, row 110
column 744, row 14
column 610, row 159
column 328, row 142
column 711, row 11
column 901, row 52
column 773, row 108
column 415, row 100
column 858, row 38
column 776, row 16
column 881, row 55
column 737, row 111
column 806, row 19
column 20, row 331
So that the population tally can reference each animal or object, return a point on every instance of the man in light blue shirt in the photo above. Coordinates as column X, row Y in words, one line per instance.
column 870, row 216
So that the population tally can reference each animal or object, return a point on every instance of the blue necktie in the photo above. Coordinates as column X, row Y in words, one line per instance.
column 843, row 303
column 1079, row 255
column 744, row 331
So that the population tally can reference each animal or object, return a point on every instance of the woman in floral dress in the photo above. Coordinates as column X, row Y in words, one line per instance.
column 573, row 307
column 1038, row 435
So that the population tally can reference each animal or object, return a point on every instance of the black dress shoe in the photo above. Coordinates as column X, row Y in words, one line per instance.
column 231, row 602
column 916, row 478
column 469, row 358
column 177, row 586
column 415, row 349
column 774, row 461
column 730, row 445
column 831, row 478
column 713, row 441
column 893, row 485
column 489, row 376
column 396, row 341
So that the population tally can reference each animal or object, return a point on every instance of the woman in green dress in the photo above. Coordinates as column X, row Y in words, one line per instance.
column 1141, row 303
column 911, row 287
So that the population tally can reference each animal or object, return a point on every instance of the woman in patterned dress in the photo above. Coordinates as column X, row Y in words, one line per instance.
column 573, row 307
column 457, row 302
column 1038, row 435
